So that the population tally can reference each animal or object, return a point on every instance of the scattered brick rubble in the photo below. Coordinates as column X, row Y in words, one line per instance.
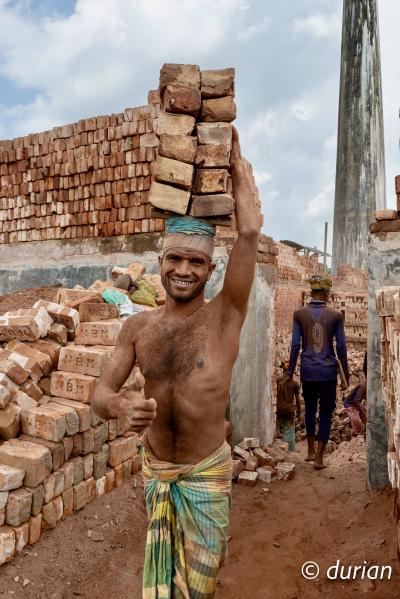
column 252, row 463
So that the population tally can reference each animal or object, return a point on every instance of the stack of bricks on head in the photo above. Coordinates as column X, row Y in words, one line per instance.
column 56, row 454
column 195, row 139
column 388, row 221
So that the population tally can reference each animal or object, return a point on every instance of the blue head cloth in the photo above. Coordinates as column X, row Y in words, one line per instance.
column 189, row 226
column 190, row 233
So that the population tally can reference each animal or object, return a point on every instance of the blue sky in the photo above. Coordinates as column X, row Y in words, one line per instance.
column 62, row 60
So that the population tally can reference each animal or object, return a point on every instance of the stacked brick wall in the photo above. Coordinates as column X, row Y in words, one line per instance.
column 388, row 308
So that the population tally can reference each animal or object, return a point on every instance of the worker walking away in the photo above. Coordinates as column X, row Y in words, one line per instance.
column 288, row 394
column 315, row 327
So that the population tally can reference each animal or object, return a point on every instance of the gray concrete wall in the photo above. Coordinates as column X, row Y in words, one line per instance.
column 39, row 264
column 383, row 270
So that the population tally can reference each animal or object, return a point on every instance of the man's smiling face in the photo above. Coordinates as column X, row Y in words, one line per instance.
column 184, row 273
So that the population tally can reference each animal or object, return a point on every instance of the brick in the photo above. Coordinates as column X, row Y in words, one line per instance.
column 178, row 147
column 30, row 365
column 69, row 317
column 68, row 469
column 100, row 462
column 14, row 371
column 7, row 389
column 37, row 498
column 209, row 181
column 100, row 486
column 48, row 484
column 262, row 457
column 70, row 415
column 169, row 198
column 58, row 333
column 214, row 133
column 248, row 479
column 122, row 449
column 182, row 100
column 98, row 333
column 213, row 156
column 34, row 459
column 3, row 499
column 251, row 464
column 126, row 469
column 21, row 537
column 136, row 463
column 49, row 347
column 119, row 478
column 10, row 478
column 285, row 471
column 96, row 312
column 83, row 443
column 83, row 360
column 42, row 359
column 80, row 495
column 68, row 445
column 265, row 473
column 56, row 449
column 173, row 172
column 110, row 480
column 2, row 516
column 7, row 544
column 44, row 423
column 212, row 205
column 94, row 417
column 183, row 75
column 82, row 409
column 91, row 492
column 58, row 507
column 385, row 226
column 175, row 124
column 78, row 469
column 100, row 433
column 385, row 215
column 10, row 421
column 237, row 468
column 112, row 429
column 73, row 298
column 18, row 509
column 59, row 480
column 35, row 528
column 87, row 465
column 217, row 82
column 31, row 390
column 68, row 502
column 218, row 110
column 243, row 453
column 250, row 443
column 74, row 386
column 49, row 516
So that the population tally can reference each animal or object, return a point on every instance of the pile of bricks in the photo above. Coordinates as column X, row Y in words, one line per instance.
column 194, row 127
column 388, row 221
column 252, row 463
column 57, row 454
column 348, row 277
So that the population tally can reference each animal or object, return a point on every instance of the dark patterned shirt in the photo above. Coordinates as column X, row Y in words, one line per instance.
column 314, row 328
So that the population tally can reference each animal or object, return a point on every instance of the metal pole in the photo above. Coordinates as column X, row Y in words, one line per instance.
column 325, row 244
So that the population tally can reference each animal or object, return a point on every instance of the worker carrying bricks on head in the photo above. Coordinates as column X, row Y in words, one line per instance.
column 186, row 350
column 287, row 394
column 315, row 327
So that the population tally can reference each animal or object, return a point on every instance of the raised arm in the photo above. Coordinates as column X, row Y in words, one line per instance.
column 240, row 271
column 109, row 401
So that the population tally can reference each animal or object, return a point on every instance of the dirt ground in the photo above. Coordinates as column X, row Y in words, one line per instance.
column 25, row 298
column 318, row 516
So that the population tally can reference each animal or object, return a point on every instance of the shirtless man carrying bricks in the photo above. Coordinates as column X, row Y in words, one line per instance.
column 186, row 351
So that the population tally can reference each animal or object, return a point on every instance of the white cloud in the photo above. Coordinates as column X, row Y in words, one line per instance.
column 247, row 34
column 318, row 25
column 97, row 59
column 321, row 204
column 262, row 177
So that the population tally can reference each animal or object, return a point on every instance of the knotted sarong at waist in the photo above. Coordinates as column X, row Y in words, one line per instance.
column 188, row 508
